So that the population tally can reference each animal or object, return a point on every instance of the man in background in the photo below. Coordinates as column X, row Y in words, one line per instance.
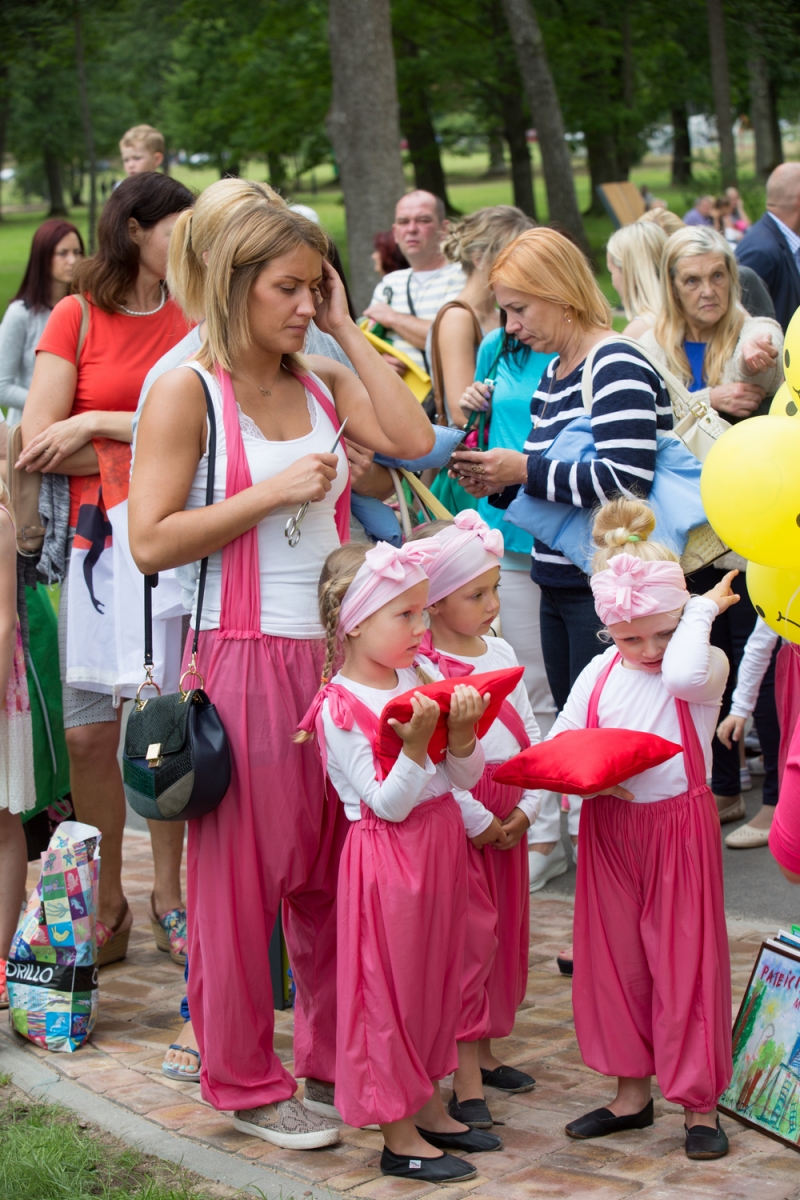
column 701, row 214
column 142, row 149
column 406, row 302
column 772, row 245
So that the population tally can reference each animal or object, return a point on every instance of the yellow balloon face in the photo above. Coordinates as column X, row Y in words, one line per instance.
column 750, row 489
column 784, row 404
column 791, row 361
column 775, row 592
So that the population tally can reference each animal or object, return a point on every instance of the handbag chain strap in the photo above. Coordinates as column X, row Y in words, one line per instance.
column 151, row 581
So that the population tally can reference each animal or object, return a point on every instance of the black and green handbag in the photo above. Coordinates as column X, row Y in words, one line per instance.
column 177, row 763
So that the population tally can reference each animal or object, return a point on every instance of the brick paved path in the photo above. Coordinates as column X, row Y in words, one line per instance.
column 139, row 1017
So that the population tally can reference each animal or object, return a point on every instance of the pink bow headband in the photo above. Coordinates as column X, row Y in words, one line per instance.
column 629, row 588
column 386, row 573
column 465, row 550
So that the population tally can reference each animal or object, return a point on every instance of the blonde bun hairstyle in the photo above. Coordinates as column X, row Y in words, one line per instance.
column 476, row 240
column 624, row 527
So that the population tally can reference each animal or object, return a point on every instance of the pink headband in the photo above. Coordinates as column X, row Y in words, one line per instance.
column 465, row 550
column 629, row 588
column 386, row 573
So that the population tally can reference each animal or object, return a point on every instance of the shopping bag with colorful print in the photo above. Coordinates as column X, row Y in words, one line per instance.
column 52, row 966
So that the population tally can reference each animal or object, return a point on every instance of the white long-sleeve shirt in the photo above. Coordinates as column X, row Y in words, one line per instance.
column 499, row 743
column 752, row 669
column 692, row 670
column 352, row 770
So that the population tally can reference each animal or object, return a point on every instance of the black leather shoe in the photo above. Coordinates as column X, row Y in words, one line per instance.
column 704, row 1142
column 508, row 1079
column 474, row 1113
column 564, row 965
column 603, row 1121
column 444, row 1169
column 471, row 1141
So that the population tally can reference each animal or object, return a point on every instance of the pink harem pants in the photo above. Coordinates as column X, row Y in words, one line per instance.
column 402, row 915
column 651, row 991
column 276, row 836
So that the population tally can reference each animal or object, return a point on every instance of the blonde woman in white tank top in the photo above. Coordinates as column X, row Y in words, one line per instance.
column 274, row 837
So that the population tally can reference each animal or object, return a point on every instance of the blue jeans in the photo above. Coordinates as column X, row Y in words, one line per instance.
column 569, row 627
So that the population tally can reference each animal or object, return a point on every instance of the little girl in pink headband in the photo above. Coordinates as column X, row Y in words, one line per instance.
column 463, row 601
column 402, row 895
column 651, row 989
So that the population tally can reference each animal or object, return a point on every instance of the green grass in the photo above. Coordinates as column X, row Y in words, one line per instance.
column 49, row 1154
column 467, row 186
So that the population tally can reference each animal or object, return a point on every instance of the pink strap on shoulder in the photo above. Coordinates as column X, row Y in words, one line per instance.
column 451, row 668
column 345, row 710
column 693, row 759
column 594, row 699
column 514, row 723
column 240, row 608
column 342, row 508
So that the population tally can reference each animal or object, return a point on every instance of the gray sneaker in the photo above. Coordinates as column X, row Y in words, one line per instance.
column 288, row 1124
column 318, row 1098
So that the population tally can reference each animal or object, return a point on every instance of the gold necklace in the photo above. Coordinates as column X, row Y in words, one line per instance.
column 264, row 391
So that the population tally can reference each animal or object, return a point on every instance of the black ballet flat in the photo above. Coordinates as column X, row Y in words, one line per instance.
column 603, row 1121
column 508, row 1079
column 471, row 1141
column 474, row 1113
column 564, row 965
column 704, row 1142
column 445, row 1169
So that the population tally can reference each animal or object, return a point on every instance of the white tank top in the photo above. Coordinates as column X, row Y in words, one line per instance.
column 289, row 576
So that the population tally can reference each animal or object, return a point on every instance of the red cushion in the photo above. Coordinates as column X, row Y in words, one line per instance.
column 581, row 762
column 498, row 683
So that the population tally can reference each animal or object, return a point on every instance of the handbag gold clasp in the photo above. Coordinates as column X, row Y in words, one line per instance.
column 147, row 682
column 192, row 671
column 153, row 755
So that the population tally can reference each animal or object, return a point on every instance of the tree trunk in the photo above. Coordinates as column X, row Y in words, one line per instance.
column 497, row 158
column 515, row 129
column 4, row 109
column 416, row 125
column 681, row 147
column 604, row 167
column 55, row 186
column 543, row 101
column 721, row 87
column 762, row 111
column 364, row 128
column 277, row 170
column 88, row 133
column 777, row 140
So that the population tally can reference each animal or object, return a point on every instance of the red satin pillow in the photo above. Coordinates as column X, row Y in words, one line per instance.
column 581, row 762
column 498, row 683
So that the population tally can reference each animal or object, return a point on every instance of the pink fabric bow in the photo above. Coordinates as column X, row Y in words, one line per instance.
column 451, row 668
column 629, row 588
column 467, row 549
column 387, row 572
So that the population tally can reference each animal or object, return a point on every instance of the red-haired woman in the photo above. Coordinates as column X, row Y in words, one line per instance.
column 78, row 422
column 56, row 249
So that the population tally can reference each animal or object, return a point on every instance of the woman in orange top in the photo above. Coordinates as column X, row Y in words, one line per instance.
column 76, row 421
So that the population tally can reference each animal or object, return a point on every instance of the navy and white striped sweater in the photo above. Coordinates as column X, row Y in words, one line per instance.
column 630, row 402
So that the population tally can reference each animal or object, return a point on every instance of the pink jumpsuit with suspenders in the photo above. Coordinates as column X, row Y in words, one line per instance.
column 651, row 991
column 275, row 838
column 402, row 905
column 495, row 976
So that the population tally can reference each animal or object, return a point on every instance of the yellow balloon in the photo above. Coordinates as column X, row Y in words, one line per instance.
column 750, row 489
column 791, row 359
column 775, row 592
column 783, row 403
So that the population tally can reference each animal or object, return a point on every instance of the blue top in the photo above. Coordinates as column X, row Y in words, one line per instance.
column 696, row 352
column 630, row 404
column 517, row 378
